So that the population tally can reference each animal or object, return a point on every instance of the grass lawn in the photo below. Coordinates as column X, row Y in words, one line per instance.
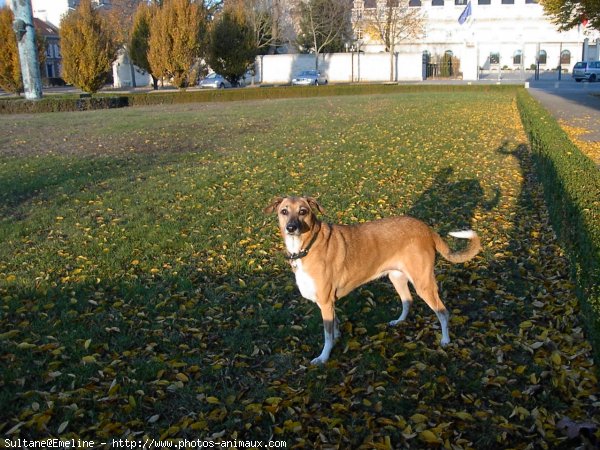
column 143, row 293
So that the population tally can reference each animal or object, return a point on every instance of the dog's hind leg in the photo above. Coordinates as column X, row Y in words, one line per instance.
column 400, row 282
column 427, row 289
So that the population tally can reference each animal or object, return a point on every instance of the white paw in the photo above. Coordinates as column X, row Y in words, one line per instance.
column 444, row 342
column 319, row 361
column 393, row 323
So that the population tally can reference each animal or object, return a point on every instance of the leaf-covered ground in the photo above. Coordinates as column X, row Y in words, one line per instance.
column 578, row 134
column 144, row 294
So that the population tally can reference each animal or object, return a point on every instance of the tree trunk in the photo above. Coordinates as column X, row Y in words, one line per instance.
column 30, row 67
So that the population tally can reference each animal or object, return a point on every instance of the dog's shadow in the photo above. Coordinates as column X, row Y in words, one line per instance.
column 446, row 205
column 451, row 205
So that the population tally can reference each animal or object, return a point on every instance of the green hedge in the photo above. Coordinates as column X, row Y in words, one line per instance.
column 572, row 189
column 170, row 97
column 56, row 104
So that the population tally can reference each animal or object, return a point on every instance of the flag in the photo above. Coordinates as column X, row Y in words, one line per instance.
column 465, row 14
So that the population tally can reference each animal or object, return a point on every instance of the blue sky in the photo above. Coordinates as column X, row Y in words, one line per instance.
column 1, row 3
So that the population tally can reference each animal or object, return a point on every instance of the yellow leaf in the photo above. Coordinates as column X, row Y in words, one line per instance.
column 88, row 359
column 171, row 431
column 182, row 377
column 11, row 278
column 418, row 418
column 8, row 334
column 87, row 343
column 463, row 415
column 556, row 359
column 429, row 437
column 273, row 400
column 26, row 346
column 114, row 388
column 526, row 324
column 212, row 400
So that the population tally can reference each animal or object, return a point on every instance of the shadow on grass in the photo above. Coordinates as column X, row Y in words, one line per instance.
column 451, row 205
column 211, row 354
column 51, row 177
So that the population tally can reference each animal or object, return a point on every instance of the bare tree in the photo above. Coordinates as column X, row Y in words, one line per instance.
column 391, row 22
column 264, row 17
column 324, row 26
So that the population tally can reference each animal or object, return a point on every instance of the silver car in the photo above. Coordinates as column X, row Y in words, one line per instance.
column 586, row 70
column 214, row 81
column 309, row 77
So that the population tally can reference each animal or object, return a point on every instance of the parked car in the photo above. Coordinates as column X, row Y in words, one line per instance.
column 216, row 81
column 586, row 70
column 307, row 77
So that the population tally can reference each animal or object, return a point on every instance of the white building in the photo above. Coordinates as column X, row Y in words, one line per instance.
column 511, row 35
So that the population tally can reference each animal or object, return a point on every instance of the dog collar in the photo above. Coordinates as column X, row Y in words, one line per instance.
column 302, row 253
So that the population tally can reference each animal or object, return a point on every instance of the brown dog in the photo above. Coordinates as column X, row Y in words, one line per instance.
column 330, row 261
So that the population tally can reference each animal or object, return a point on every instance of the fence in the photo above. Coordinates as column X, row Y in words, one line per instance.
column 351, row 67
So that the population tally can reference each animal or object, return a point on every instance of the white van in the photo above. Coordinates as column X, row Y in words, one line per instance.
column 586, row 70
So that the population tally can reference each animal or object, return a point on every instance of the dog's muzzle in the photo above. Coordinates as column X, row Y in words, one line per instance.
column 292, row 227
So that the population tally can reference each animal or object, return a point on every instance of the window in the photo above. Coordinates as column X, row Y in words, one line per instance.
column 437, row 2
column 565, row 57
column 531, row 1
column 484, row 2
column 414, row 3
column 426, row 57
column 460, row 2
column 542, row 57
column 49, row 70
column 518, row 58
column 508, row 2
column 495, row 58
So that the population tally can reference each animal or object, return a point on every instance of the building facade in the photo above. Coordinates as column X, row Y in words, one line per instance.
column 493, row 35
column 51, row 68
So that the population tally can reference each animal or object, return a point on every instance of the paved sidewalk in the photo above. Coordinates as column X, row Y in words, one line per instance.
column 575, row 104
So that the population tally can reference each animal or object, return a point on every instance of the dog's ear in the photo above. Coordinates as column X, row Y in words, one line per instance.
column 273, row 206
column 314, row 204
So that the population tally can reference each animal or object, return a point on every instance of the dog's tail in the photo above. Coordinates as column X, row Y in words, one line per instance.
column 460, row 256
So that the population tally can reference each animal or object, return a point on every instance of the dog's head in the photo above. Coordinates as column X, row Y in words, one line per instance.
column 296, row 215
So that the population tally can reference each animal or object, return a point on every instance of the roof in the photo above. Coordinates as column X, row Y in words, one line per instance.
column 45, row 28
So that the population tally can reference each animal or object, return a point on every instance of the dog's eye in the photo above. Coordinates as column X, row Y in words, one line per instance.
column 284, row 212
column 303, row 212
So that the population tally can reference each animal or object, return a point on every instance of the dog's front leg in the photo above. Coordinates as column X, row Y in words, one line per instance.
column 330, row 330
